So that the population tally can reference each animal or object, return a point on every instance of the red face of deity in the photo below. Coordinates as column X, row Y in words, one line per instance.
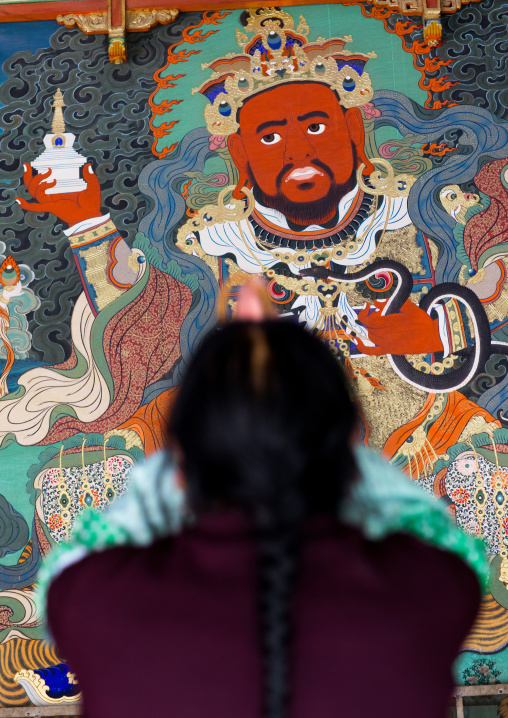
column 298, row 148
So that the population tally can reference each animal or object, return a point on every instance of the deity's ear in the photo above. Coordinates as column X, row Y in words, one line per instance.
column 354, row 121
column 237, row 151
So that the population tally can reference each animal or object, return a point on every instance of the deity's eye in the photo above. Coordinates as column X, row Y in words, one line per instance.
column 448, row 194
column 316, row 128
column 270, row 139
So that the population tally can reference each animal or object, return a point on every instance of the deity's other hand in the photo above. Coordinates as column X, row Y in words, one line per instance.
column 71, row 207
column 410, row 331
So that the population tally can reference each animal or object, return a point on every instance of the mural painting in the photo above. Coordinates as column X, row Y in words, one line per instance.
column 326, row 148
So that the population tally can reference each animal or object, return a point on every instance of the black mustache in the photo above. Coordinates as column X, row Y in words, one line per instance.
column 278, row 179
column 287, row 168
column 324, row 167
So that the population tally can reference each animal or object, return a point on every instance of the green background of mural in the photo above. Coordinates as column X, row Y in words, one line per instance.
column 392, row 69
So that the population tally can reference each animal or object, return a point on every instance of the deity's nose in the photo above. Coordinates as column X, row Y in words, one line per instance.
column 298, row 147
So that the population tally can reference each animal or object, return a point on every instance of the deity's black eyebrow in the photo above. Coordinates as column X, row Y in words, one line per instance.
column 271, row 123
column 314, row 113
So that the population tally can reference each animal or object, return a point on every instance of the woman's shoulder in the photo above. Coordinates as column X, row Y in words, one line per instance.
column 383, row 502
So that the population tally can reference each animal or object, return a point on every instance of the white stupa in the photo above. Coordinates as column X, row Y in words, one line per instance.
column 59, row 155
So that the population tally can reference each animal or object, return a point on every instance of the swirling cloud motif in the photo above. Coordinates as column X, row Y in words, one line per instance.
column 18, row 600
column 476, row 45
column 14, row 532
column 49, row 686
column 107, row 108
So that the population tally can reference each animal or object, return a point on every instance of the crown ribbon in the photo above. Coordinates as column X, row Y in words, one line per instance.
column 278, row 54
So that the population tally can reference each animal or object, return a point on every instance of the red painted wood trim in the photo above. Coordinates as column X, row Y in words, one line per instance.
column 47, row 10
column 19, row 12
column 117, row 19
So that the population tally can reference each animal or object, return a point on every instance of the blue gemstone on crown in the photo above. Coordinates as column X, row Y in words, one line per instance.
column 224, row 108
column 274, row 41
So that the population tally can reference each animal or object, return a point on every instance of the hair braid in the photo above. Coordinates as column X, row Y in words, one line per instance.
column 278, row 554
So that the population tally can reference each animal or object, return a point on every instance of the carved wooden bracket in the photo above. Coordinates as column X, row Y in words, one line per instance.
column 117, row 47
column 116, row 22
column 430, row 12
column 418, row 7
column 432, row 27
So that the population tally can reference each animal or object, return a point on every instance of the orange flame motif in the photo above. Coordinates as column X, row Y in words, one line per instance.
column 11, row 270
column 383, row 13
column 438, row 105
column 431, row 64
column 440, row 84
column 418, row 49
column 191, row 34
column 437, row 150
column 165, row 105
column 404, row 28
column 163, row 129
column 185, row 192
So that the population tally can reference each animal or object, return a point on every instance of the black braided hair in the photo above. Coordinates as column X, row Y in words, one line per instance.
column 278, row 559
column 264, row 421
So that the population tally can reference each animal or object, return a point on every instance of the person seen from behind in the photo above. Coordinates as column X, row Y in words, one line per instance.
column 265, row 566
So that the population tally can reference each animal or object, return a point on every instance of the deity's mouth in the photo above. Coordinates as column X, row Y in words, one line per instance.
column 303, row 173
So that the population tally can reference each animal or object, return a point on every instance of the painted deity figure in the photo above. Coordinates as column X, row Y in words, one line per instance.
column 311, row 210
column 314, row 212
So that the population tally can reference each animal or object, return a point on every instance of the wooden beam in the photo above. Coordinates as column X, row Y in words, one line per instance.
column 490, row 690
column 68, row 709
column 21, row 10
column 44, row 10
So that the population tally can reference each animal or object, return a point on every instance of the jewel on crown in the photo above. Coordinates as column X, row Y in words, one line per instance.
column 278, row 54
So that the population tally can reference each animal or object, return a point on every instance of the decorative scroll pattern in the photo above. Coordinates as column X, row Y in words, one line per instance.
column 417, row 7
column 94, row 23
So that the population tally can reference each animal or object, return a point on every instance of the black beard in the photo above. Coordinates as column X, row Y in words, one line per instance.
column 303, row 214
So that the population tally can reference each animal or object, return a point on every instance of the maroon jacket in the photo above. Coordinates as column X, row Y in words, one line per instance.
column 171, row 630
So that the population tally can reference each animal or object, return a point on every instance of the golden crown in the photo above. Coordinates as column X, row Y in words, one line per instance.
column 278, row 54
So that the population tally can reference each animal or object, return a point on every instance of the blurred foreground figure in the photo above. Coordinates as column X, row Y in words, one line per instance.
column 293, row 575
